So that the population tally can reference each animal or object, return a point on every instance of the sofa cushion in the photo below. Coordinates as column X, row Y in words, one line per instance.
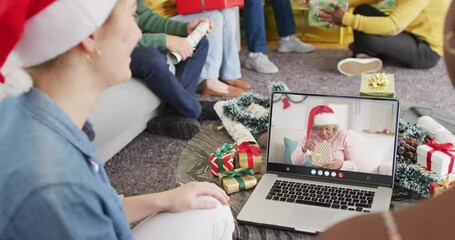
column 120, row 114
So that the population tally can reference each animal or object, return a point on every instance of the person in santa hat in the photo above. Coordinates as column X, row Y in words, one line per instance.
column 56, row 57
column 323, row 127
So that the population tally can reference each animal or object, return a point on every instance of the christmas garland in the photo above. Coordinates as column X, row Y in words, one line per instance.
column 415, row 177
column 411, row 130
column 235, row 109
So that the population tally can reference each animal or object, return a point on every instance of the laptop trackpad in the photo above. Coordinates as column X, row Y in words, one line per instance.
column 310, row 220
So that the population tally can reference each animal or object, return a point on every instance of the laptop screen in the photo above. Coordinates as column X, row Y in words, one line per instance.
column 337, row 138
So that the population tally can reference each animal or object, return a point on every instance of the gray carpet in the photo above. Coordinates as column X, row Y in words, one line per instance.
column 148, row 163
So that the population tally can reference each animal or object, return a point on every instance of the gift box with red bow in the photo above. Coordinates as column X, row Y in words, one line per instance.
column 436, row 157
column 236, row 180
column 222, row 159
column 250, row 156
column 196, row 6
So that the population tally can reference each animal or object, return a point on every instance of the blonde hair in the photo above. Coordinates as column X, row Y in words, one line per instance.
column 166, row 8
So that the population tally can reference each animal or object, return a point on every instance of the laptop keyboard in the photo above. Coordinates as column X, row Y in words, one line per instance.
column 322, row 196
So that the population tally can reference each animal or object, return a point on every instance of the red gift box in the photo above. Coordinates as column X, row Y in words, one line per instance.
column 197, row 6
column 437, row 188
column 222, row 159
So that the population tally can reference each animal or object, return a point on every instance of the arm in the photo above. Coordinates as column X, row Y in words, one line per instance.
column 427, row 220
column 298, row 156
column 176, row 200
column 156, row 27
column 351, row 162
column 355, row 3
column 400, row 18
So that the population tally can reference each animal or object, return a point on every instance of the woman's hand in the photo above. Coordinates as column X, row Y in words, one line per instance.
column 334, row 164
column 187, row 197
column 309, row 145
column 193, row 24
column 179, row 45
column 334, row 17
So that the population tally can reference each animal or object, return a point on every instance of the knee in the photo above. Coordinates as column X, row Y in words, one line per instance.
column 362, row 9
column 222, row 222
column 148, row 56
column 203, row 45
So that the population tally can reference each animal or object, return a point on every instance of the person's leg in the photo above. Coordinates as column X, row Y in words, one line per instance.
column 405, row 49
column 213, row 224
column 230, row 65
column 253, row 14
column 150, row 65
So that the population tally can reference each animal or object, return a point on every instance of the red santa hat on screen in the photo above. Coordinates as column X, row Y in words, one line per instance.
column 319, row 116
column 35, row 31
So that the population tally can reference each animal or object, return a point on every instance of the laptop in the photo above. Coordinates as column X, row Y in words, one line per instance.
column 295, row 194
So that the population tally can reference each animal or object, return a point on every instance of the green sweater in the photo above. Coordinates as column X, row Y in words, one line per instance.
column 154, row 27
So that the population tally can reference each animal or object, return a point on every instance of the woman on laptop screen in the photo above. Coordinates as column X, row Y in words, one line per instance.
column 325, row 144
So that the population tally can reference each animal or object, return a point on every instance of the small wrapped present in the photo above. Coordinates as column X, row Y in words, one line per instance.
column 196, row 6
column 237, row 180
column 250, row 156
column 315, row 10
column 377, row 85
column 436, row 157
column 222, row 159
column 437, row 188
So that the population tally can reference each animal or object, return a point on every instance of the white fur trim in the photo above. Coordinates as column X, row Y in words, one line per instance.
column 17, row 81
column 59, row 27
column 324, row 119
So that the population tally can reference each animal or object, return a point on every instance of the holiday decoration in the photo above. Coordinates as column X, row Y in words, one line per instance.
column 437, row 157
column 236, row 180
column 415, row 177
column 315, row 10
column 222, row 159
column 437, row 188
column 377, row 85
column 198, row 33
column 235, row 109
column 196, row 6
column 250, row 156
column 411, row 130
column 406, row 150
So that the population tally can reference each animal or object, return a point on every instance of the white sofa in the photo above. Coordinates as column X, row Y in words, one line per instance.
column 374, row 151
column 121, row 113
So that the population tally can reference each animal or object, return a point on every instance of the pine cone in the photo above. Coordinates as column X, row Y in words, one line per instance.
column 406, row 150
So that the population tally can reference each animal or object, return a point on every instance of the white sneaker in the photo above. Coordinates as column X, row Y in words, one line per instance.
column 293, row 44
column 259, row 62
column 357, row 66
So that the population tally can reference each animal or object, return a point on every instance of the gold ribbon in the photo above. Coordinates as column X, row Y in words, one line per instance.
column 378, row 81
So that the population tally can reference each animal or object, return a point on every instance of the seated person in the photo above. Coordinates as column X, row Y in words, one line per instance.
column 322, row 120
column 223, row 62
column 410, row 36
column 52, row 182
column 149, row 62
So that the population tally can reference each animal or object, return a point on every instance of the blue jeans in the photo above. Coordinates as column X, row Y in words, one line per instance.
column 223, row 59
column 150, row 64
column 253, row 13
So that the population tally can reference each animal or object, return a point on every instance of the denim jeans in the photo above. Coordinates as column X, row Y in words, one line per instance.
column 405, row 48
column 253, row 13
column 178, row 91
column 222, row 59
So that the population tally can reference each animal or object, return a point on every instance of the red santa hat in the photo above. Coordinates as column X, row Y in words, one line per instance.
column 319, row 116
column 35, row 31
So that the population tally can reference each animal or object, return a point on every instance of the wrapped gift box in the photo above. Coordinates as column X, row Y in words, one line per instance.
column 222, row 159
column 437, row 188
column 250, row 156
column 377, row 85
column 437, row 161
column 237, row 180
column 196, row 6
column 315, row 10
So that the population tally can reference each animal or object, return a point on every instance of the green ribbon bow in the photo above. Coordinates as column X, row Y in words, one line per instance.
column 237, row 176
column 219, row 153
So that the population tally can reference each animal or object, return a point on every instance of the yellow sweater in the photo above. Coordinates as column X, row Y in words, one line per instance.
column 423, row 18
column 165, row 8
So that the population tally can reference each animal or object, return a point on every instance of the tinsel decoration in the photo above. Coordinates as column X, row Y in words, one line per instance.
column 415, row 178
column 411, row 130
column 278, row 87
column 235, row 109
